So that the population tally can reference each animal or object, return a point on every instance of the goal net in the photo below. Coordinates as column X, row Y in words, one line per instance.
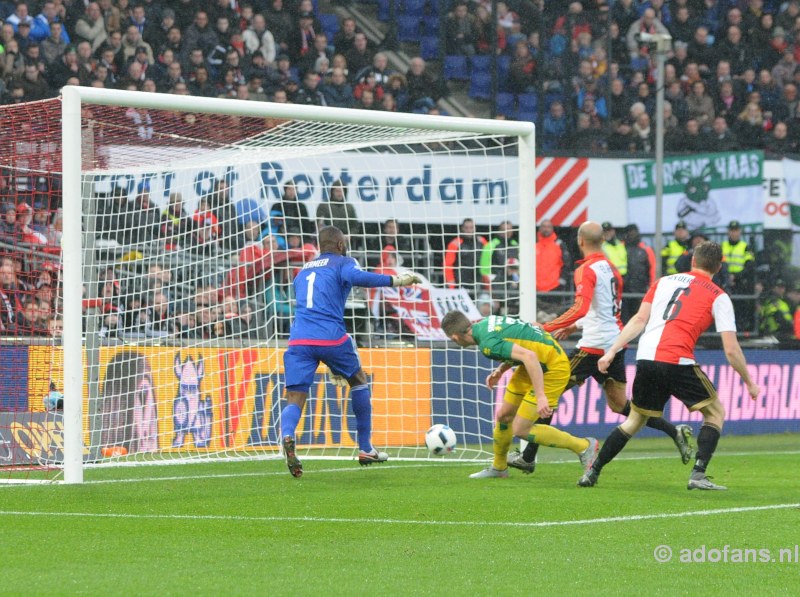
column 184, row 222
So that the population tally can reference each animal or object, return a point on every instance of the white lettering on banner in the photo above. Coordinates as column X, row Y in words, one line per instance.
column 441, row 182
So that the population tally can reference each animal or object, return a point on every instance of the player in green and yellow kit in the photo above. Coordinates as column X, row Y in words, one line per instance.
column 541, row 375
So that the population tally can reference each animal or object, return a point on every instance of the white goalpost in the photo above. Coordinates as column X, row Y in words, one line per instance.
column 179, row 246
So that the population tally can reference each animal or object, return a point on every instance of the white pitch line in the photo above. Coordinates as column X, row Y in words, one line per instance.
column 462, row 523
column 359, row 470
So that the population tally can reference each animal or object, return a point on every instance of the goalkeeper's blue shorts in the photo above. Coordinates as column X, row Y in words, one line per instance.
column 300, row 363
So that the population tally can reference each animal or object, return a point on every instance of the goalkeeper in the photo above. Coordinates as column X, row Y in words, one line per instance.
column 318, row 334
column 542, row 372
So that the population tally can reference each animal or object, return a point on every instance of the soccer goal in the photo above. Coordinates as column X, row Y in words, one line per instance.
column 184, row 220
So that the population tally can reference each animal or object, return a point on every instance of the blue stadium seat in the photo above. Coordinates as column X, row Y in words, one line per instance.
column 528, row 102
column 503, row 65
column 383, row 10
column 455, row 67
column 527, row 116
column 431, row 24
column 481, row 63
column 429, row 47
column 248, row 210
column 506, row 105
column 408, row 28
column 330, row 25
column 413, row 7
column 480, row 86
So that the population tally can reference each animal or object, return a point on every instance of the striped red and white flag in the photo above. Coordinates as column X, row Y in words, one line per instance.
column 562, row 190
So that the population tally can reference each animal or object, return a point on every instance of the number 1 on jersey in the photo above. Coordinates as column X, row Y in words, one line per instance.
column 310, row 293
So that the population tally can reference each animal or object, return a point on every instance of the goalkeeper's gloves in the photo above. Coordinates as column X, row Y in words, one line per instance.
column 406, row 279
column 337, row 380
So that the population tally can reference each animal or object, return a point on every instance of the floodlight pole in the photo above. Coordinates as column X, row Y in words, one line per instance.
column 663, row 43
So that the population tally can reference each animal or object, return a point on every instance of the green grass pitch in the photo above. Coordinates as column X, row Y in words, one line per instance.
column 411, row 528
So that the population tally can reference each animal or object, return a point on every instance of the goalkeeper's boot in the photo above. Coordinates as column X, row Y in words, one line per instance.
column 489, row 473
column 699, row 480
column 292, row 461
column 367, row 458
column 518, row 462
column 589, row 478
column 683, row 442
column 588, row 456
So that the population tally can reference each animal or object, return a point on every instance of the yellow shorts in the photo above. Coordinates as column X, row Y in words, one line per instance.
column 519, row 390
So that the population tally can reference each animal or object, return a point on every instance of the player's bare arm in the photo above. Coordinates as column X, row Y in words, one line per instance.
column 735, row 356
column 494, row 376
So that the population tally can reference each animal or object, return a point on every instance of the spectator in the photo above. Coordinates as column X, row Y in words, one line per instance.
column 555, row 127
column 257, row 38
column 424, row 90
column 727, row 104
column 736, row 51
column 359, row 56
column 675, row 248
column 10, row 297
column 202, row 86
column 319, row 49
column 614, row 249
column 642, row 134
column 301, row 39
column 721, row 138
column 496, row 254
column 206, row 229
column 132, row 43
column 552, row 264
column 484, row 24
column 701, row 51
column 294, row 212
column 778, row 143
column 700, row 106
column 460, row 31
column 53, row 46
column 309, row 94
column 788, row 108
column 175, row 223
column 641, row 266
column 337, row 211
column 522, row 72
column 783, row 71
column 200, row 34
column 338, row 92
column 750, row 125
column 776, row 316
column 219, row 202
column 91, row 26
column 462, row 258
column 32, row 83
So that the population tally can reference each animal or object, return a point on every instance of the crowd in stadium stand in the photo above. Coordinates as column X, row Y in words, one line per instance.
column 731, row 83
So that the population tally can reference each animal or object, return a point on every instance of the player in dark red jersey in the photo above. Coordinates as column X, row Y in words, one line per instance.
column 675, row 311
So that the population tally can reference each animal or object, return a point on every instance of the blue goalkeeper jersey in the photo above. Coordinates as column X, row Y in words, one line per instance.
column 321, row 289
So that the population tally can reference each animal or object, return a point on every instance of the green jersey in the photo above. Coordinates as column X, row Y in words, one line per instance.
column 496, row 336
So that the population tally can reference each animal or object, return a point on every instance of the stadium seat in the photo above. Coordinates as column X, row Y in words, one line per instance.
column 526, row 116
column 528, row 102
column 383, row 10
column 429, row 47
column 480, row 86
column 248, row 210
column 506, row 105
column 481, row 63
column 330, row 25
column 430, row 24
column 503, row 65
column 408, row 28
column 413, row 7
column 455, row 67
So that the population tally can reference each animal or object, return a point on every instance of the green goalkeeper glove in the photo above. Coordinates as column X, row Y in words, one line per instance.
column 406, row 279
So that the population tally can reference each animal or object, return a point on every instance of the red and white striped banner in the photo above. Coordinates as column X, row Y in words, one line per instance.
column 562, row 190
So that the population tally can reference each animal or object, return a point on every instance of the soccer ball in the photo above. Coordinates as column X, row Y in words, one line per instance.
column 52, row 399
column 440, row 439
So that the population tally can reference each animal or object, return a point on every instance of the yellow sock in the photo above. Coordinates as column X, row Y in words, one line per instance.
column 502, row 442
column 545, row 435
